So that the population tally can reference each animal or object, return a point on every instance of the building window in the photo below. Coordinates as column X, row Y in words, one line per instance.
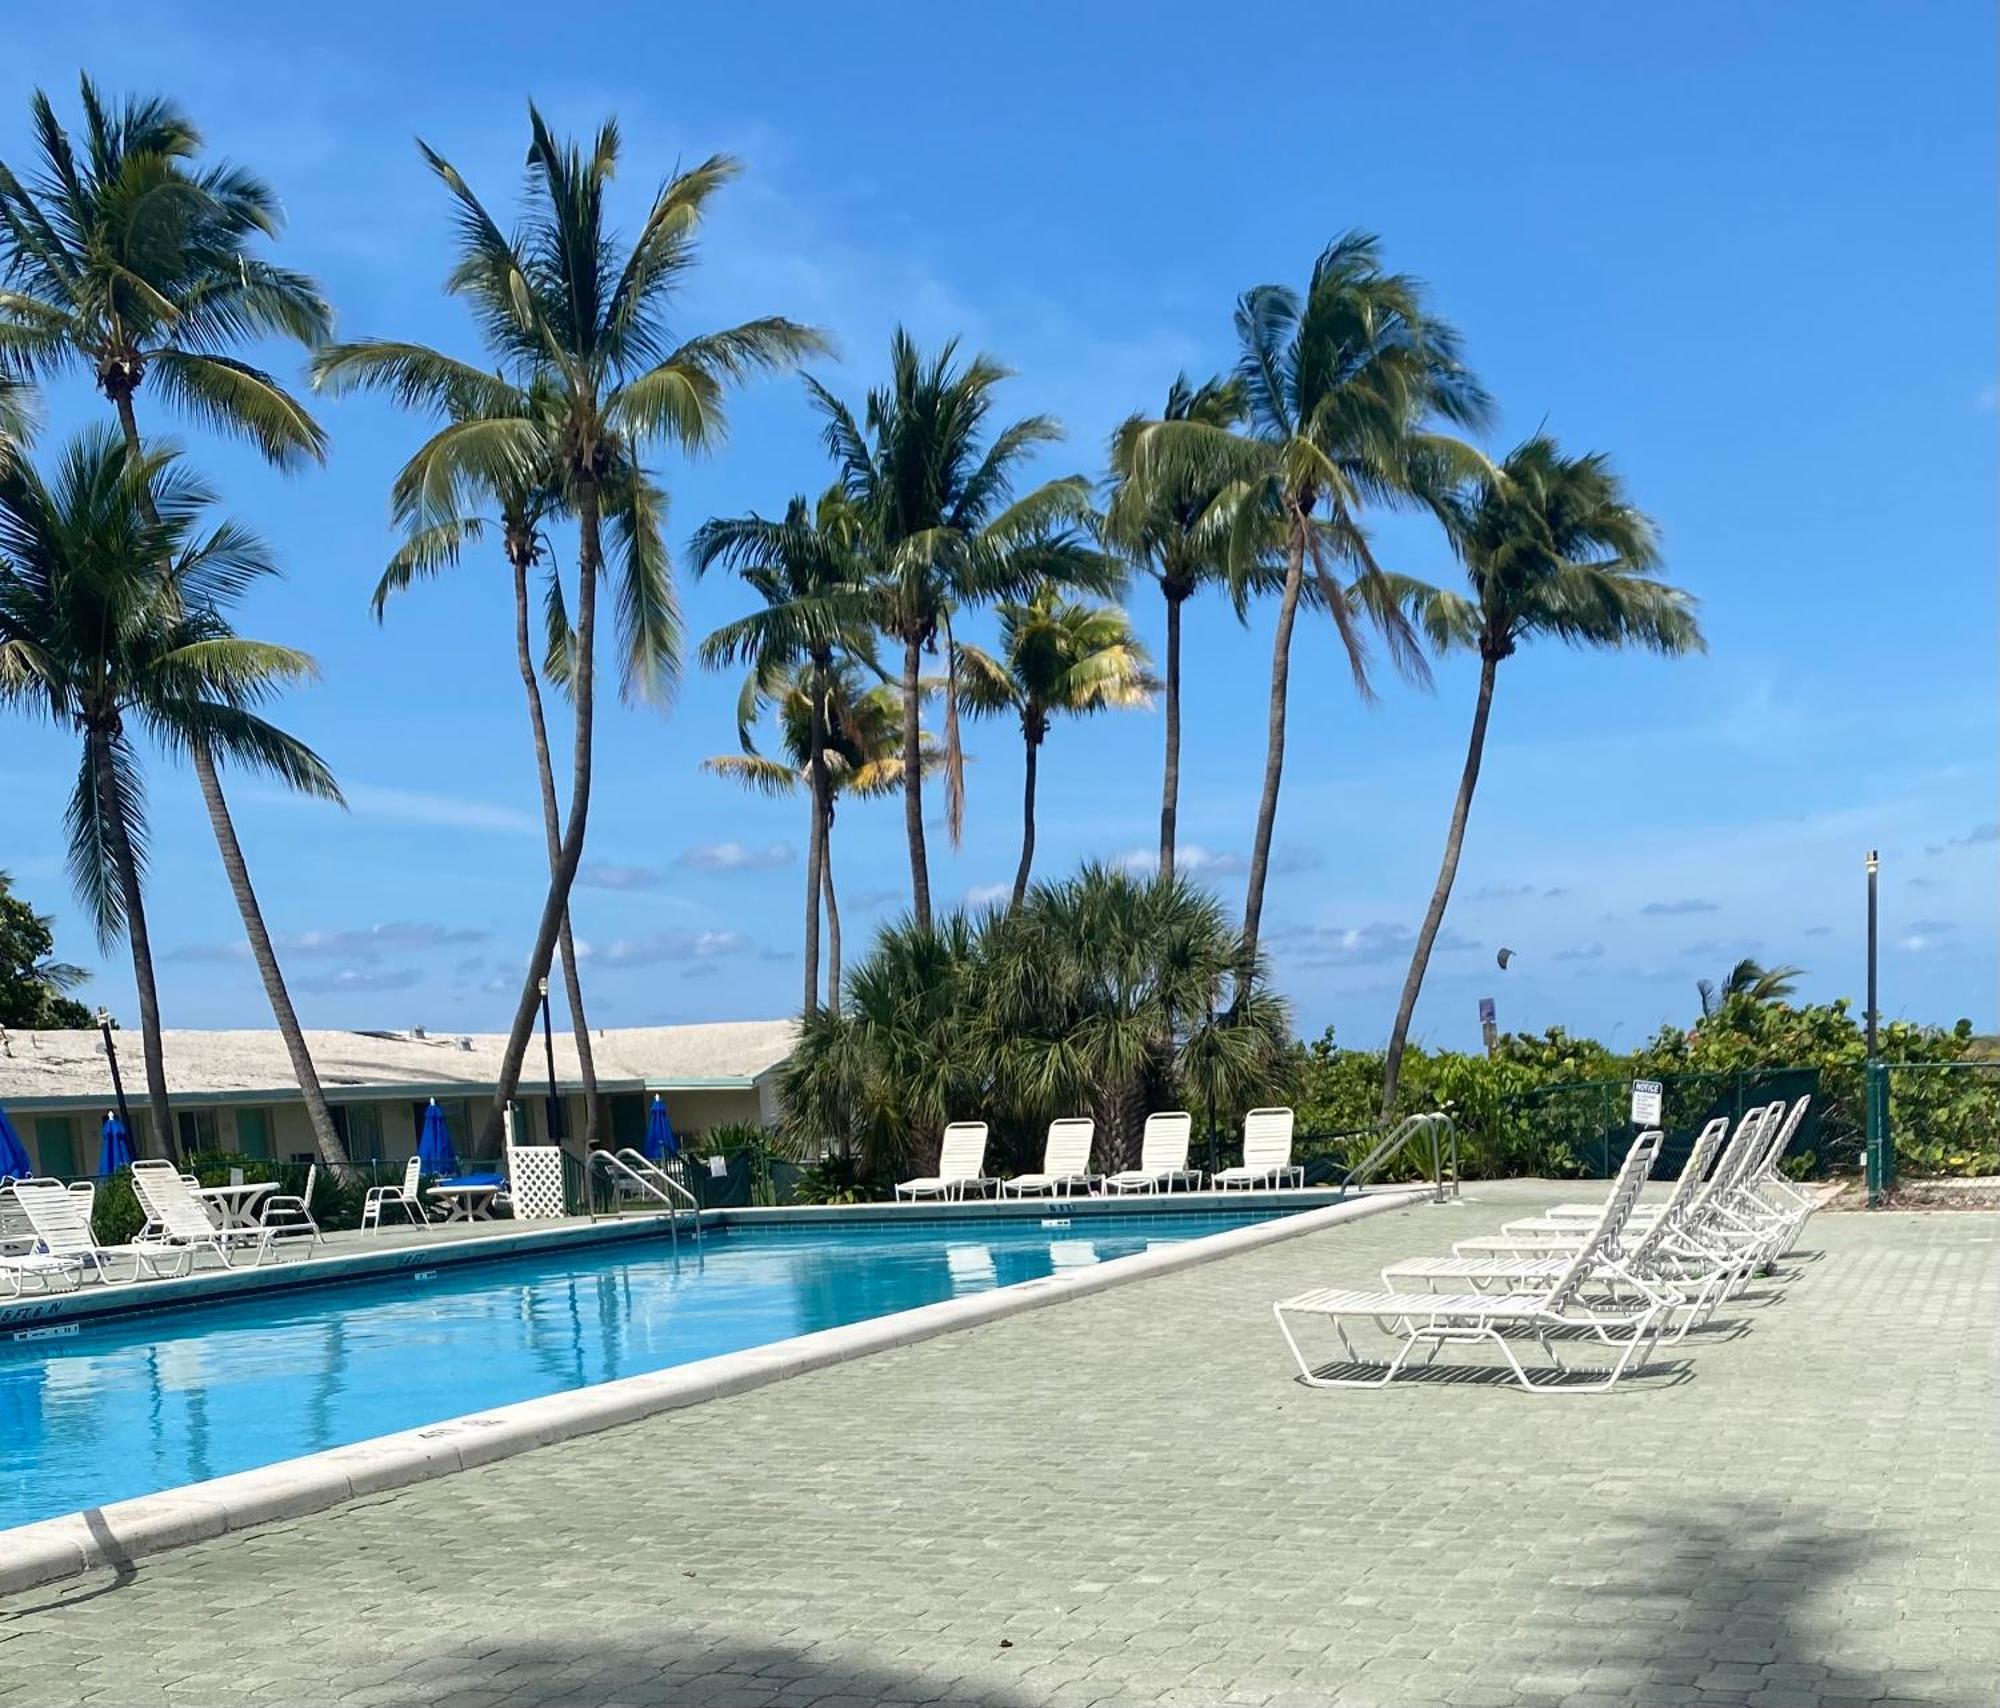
column 359, row 1126
column 198, row 1130
column 55, row 1146
column 253, row 1132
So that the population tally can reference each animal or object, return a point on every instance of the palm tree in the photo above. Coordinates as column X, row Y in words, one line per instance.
column 1552, row 547
column 558, row 301
column 811, row 575
column 1180, row 534
column 441, row 508
column 1750, row 979
column 856, row 733
column 1058, row 658
column 110, row 600
column 130, row 261
column 1340, row 384
column 934, row 497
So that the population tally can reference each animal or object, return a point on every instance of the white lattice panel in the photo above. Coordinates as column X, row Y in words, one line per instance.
column 536, row 1181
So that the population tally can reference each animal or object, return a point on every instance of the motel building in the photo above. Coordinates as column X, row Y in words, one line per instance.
column 234, row 1091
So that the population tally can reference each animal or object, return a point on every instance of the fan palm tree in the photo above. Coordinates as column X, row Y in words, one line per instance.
column 559, row 301
column 1552, row 548
column 934, row 497
column 1181, row 535
column 855, row 731
column 127, row 259
column 1341, row 383
column 1751, row 979
column 1058, row 658
column 817, row 609
column 444, row 511
column 111, row 590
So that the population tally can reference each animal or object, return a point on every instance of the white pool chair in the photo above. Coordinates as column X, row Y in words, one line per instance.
column 403, row 1197
column 1267, row 1153
column 285, row 1213
column 1163, row 1154
column 1437, row 1320
column 180, row 1220
column 64, row 1236
column 961, row 1164
column 1065, row 1162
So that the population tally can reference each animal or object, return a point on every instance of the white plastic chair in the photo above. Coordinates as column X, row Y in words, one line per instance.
column 961, row 1163
column 1163, row 1154
column 404, row 1197
column 1065, row 1162
column 1267, row 1153
column 285, row 1213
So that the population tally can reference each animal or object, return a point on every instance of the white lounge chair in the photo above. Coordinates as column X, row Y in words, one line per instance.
column 63, row 1234
column 1065, row 1162
column 1267, row 1153
column 961, row 1163
column 1437, row 1320
column 1163, row 1154
column 179, row 1220
column 403, row 1197
column 287, row 1213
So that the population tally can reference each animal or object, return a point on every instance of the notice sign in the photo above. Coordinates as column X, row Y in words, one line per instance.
column 1647, row 1098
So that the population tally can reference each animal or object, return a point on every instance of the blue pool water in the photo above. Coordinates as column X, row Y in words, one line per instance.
column 136, row 1404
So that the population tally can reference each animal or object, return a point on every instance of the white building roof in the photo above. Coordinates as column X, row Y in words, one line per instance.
column 58, row 1067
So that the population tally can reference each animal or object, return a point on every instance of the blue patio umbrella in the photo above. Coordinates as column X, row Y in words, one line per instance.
column 434, row 1152
column 13, row 1154
column 114, row 1150
column 661, row 1144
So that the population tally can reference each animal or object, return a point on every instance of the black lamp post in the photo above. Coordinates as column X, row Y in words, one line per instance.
column 556, row 1134
column 1873, row 862
column 118, row 1084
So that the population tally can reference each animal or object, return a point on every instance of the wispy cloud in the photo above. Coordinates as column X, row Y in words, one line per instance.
column 360, row 980
column 1500, row 892
column 1978, row 834
column 736, row 857
column 1819, row 931
column 596, row 875
column 1192, row 860
column 670, row 946
column 1693, row 904
column 984, row 895
column 450, row 812
column 1586, row 952
column 865, row 901
column 1357, row 946
column 368, row 943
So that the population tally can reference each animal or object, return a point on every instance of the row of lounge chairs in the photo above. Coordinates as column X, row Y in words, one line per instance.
column 62, row 1252
column 1066, row 1171
column 1616, row 1273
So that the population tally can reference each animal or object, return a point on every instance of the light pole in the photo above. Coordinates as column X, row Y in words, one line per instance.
column 117, row 1083
column 556, row 1134
column 1875, row 1090
column 1873, row 863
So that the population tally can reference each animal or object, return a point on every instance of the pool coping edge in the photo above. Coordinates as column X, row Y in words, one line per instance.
column 114, row 1537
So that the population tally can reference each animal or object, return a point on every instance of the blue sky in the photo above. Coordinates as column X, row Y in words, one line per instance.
column 1747, row 250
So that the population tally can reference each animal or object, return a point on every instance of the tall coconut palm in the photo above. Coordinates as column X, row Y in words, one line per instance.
column 111, row 589
column 1341, row 383
column 1552, row 549
column 1180, row 533
column 559, row 301
column 128, row 259
column 1752, row 979
column 1058, row 658
column 933, row 489
column 445, row 510
column 855, row 732
column 813, row 578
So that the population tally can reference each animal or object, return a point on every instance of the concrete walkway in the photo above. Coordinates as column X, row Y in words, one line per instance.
column 1126, row 1500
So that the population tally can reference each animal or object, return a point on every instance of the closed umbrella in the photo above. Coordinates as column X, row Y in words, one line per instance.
column 661, row 1144
column 434, row 1152
column 114, row 1150
column 13, row 1154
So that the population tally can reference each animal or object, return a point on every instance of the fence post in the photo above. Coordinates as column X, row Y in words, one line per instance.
column 1880, row 1155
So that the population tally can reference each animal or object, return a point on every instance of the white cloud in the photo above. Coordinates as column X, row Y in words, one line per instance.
column 1357, row 946
column 450, row 812
column 670, row 946
column 735, row 857
column 596, row 875
column 984, row 895
column 1693, row 904
column 359, row 980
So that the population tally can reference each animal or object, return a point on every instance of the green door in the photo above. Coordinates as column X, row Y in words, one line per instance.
column 55, row 1146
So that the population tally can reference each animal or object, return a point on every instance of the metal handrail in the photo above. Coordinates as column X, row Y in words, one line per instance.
column 630, row 1167
column 1434, row 1129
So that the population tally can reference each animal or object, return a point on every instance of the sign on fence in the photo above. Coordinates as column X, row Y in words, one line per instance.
column 1648, row 1100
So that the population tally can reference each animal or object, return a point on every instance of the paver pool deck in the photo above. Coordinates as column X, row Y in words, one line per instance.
column 1126, row 1499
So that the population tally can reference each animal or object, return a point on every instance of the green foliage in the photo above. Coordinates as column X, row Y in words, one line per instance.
column 837, row 1180
column 115, row 1216
column 31, row 983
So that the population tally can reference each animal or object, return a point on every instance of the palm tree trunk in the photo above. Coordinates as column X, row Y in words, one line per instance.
column 1274, row 751
column 832, row 916
column 237, row 870
column 562, row 874
column 816, row 834
column 913, row 783
column 1027, row 824
column 1170, row 784
column 325, row 1138
column 593, row 1113
column 111, row 803
column 1454, row 844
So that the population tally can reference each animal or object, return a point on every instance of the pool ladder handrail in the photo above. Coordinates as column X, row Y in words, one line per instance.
column 1436, row 1133
column 630, row 1168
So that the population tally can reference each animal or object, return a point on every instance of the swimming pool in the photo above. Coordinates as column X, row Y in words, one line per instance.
column 134, row 1404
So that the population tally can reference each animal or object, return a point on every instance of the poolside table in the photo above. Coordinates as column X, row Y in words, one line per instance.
column 236, row 1206
column 467, row 1200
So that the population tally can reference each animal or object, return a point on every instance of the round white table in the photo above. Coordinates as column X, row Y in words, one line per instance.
column 236, row 1206
column 468, row 1201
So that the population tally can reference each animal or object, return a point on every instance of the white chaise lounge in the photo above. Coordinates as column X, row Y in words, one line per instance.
column 1163, row 1154
column 961, row 1164
column 1065, row 1162
column 177, row 1219
column 1267, row 1153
